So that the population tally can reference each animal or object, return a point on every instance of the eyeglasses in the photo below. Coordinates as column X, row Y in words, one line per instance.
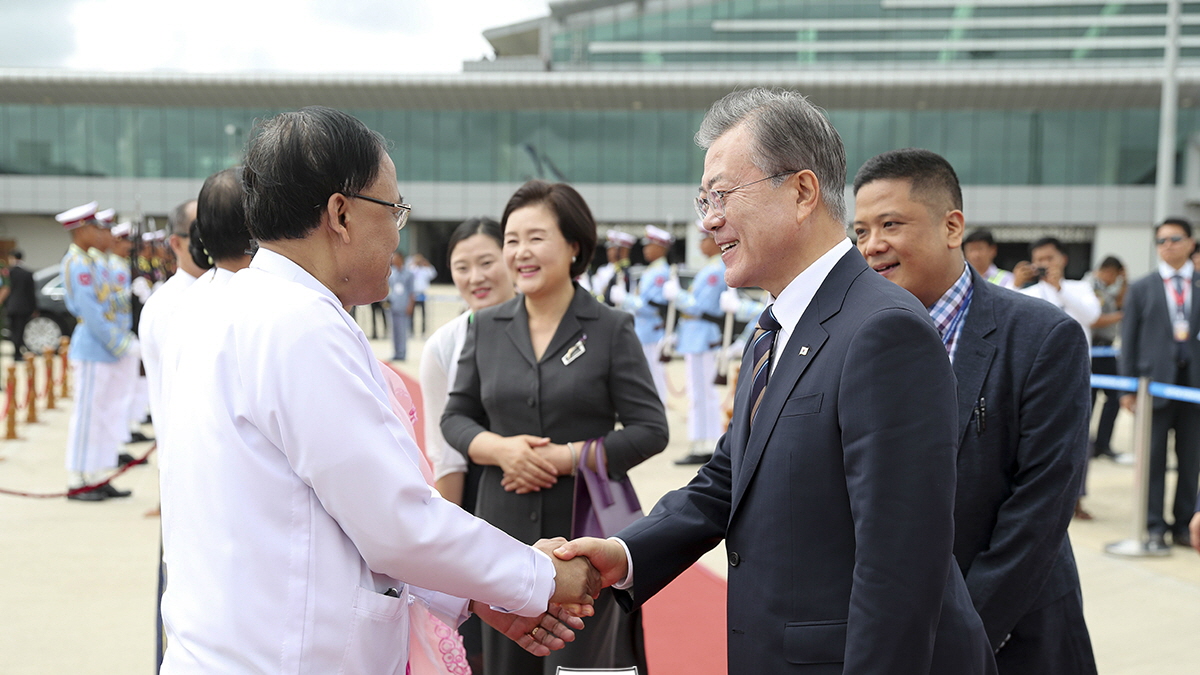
column 400, row 211
column 712, row 202
column 1174, row 239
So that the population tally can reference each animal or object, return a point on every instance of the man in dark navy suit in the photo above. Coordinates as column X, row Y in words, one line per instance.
column 833, row 487
column 1023, row 377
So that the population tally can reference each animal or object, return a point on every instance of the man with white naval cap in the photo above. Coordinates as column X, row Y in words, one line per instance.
column 610, row 283
column 97, row 345
column 649, row 305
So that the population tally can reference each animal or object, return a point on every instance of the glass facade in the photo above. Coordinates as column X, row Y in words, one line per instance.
column 986, row 147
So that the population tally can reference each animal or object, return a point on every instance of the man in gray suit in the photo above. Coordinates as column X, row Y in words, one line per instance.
column 833, row 487
column 1023, row 370
column 1159, row 341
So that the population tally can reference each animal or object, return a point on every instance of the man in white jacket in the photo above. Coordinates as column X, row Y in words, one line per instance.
column 297, row 525
column 1076, row 298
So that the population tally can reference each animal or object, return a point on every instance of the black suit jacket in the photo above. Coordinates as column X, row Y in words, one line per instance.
column 21, row 299
column 1147, row 333
column 1020, row 466
column 837, row 505
column 501, row 387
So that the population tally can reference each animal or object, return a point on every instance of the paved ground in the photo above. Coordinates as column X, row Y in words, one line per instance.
column 77, row 580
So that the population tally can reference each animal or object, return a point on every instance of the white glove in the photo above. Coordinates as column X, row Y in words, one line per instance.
column 618, row 294
column 671, row 289
column 730, row 301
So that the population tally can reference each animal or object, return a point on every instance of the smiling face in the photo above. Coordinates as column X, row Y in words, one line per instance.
column 478, row 269
column 913, row 243
column 759, row 236
column 536, row 254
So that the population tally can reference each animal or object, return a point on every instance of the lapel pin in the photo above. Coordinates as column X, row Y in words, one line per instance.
column 804, row 350
column 575, row 351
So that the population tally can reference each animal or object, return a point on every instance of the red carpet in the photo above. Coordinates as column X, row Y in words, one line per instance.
column 685, row 625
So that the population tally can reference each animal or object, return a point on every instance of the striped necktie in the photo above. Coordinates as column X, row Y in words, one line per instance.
column 764, row 340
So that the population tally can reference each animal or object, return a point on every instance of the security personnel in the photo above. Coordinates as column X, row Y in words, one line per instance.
column 699, row 340
column 649, row 305
column 610, row 283
column 97, row 344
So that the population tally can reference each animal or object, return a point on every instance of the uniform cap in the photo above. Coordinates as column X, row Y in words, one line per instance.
column 657, row 235
column 619, row 239
column 106, row 217
column 123, row 229
column 73, row 218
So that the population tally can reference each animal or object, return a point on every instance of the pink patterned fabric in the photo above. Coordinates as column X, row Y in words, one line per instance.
column 433, row 647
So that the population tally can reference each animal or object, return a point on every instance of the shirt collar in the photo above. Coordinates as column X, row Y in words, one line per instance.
column 1166, row 271
column 281, row 266
column 946, row 308
column 794, row 299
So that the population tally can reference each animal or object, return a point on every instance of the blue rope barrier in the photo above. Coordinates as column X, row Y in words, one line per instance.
column 1173, row 392
column 1105, row 351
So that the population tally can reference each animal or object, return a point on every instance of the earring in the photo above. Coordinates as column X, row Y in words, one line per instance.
column 572, row 258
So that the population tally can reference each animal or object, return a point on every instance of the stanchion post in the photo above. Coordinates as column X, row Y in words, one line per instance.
column 49, row 356
column 1138, row 545
column 64, row 344
column 10, row 433
column 31, row 393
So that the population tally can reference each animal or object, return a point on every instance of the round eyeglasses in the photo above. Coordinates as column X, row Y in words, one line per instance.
column 712, row 202
column 399, row 211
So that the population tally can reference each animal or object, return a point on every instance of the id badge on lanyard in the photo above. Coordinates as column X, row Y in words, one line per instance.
column 1182, row 327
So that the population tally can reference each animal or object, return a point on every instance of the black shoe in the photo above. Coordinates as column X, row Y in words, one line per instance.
column 138, row 437
column 1181, row 538
column 693, row 459
column 110, row 491
column 1105, row 452
column 97, row 495
column 125, row 458
column 1157, row 542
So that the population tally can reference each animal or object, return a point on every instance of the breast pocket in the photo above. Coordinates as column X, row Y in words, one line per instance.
column 804, row 404
column 378, row 629
column 813, row 642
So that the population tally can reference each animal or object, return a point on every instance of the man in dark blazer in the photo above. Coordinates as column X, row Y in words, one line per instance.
column 833, row 487
column 22, row 303
column 1159, row 341
column 1023, row 370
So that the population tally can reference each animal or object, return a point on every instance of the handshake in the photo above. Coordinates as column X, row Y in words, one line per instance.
column 581, row 569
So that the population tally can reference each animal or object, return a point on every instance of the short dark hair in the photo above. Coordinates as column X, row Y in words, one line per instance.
column 1047, row 241
column 178, row 221
column 471, row 227
column 296, row 160
column 928, row 172
column 1112, row 262
column 221, row 218
column 575, row 219
column 1181, row 223
column 16, row 253
column 980, row 235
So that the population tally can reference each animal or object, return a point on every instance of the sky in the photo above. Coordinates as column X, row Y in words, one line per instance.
column 232, row 36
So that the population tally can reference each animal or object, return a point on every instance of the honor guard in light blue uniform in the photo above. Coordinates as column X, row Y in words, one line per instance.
column 701, row 321
column 615, row 272
column 648, row 304
column 132, row 384
column 97, row 345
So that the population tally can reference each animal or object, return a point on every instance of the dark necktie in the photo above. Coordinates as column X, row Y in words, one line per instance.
column 764, row 341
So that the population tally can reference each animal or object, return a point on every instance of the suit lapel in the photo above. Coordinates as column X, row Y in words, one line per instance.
column 976, row 351
column 518, row 329
column 569, row 328
column 1195, row 316
column 808, row 333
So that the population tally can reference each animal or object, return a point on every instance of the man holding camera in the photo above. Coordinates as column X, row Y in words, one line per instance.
column 1076, row 298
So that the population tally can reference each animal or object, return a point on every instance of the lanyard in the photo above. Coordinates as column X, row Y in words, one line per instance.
column 1177, row 293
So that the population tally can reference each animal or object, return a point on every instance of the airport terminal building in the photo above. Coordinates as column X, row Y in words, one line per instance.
column 1048, row 109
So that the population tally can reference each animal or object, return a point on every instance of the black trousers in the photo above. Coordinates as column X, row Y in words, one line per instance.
column 1105, row 365
column 16, row 332
column 1184, row 418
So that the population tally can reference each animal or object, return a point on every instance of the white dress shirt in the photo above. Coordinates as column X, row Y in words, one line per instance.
column 152, row 331
column 1076, row 298
column 439, row 367
column 294, row 497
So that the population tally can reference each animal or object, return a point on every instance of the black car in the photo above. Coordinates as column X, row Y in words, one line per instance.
column 53, row 320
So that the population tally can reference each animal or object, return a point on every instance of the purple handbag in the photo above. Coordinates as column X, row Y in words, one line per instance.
column 602, row 506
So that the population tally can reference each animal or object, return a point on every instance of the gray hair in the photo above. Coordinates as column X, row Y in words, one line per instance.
column 178, row 221
column 790, row 134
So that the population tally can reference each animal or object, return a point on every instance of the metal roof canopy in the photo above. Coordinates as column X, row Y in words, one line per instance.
column 1032, row 85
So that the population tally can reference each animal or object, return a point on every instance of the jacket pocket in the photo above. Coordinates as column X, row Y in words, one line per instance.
column 378, row 632
column 815, row 642
column 802, row 405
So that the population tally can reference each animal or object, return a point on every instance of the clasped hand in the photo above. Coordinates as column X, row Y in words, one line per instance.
column 523, row 458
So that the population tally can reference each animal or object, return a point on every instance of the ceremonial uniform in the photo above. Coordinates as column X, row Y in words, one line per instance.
column 699, row 340
column 131, row 386
column 97, row 345
column 648, row 320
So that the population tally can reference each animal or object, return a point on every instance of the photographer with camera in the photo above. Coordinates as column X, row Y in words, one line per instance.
column 1076, row 298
